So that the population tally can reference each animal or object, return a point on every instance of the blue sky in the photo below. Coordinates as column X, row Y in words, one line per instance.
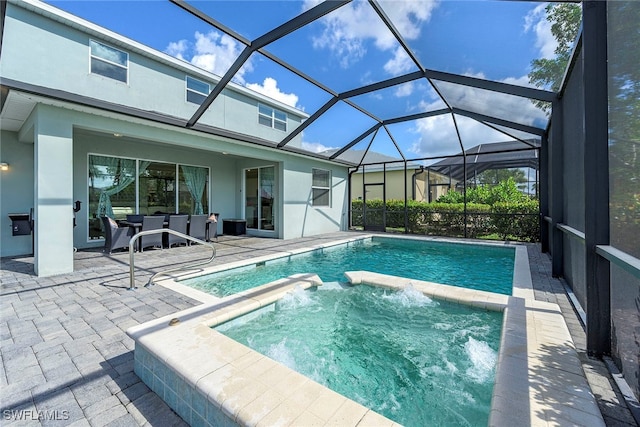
column 350, row 47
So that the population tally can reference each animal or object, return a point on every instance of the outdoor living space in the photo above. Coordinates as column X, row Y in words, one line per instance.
column 67, row 359
column 512, row 124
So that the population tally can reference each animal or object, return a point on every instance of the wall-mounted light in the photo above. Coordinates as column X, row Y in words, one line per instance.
column 117, row 135
column 4, row 166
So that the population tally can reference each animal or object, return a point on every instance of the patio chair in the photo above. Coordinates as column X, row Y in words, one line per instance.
column 177, row 223
column 213, row 224
column 116, row 237
column 198, row 227
column 153, row 240
column 134, row 218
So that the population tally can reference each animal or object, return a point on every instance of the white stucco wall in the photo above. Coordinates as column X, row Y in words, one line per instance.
column 16, row 191
column 156, row 81
column 49, row 154
column 93, row 133
column 303, row 219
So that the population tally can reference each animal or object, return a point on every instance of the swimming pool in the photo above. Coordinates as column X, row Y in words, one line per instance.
column 412, row 359
column 480, row 267
column 204, row 374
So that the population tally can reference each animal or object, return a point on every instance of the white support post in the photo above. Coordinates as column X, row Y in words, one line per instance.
column 53, row 193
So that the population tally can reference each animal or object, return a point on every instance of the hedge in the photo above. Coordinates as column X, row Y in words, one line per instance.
column 517, row 221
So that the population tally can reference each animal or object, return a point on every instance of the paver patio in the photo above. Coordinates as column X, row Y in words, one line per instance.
column 66, row 359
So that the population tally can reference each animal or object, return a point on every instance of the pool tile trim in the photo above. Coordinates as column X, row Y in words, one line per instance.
column 539, row 379
column 522, row 284
column 232, row 384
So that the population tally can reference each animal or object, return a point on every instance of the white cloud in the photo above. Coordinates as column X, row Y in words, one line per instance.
column 437, row 135
column 316, row 147
column 536, row 21
column 216, row 52
column 213, row 51
column 270, row 88
column 404, row 90
column 400, row 63
column 407, row 16
column 347, row 29
column 178, row 49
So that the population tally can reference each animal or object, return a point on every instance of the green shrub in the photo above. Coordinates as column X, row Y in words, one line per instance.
column 520, row 220
column 510, row 220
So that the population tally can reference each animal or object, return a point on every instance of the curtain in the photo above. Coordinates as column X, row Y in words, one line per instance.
column 125, row 177
column 195, row 178
column 267, row 180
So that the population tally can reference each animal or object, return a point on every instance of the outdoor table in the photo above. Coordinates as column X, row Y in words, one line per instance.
column 137, row 226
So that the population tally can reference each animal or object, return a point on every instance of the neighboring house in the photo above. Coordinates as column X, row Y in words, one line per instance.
column 416, row 182
column 88, row 115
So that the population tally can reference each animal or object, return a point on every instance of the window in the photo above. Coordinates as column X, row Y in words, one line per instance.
column 108, row 61
column 119, row 187
column 321, row 187
column 197, row 90
column 273, row 118
column 157, row 188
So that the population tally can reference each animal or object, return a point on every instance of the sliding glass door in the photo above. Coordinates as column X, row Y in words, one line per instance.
column 259, row 184
column 120, row 186
column 157, row 184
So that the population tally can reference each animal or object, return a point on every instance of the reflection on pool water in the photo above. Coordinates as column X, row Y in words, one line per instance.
column 416, row 361
column 482, row 267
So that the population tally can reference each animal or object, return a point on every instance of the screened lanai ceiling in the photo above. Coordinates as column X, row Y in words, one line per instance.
column 483, row 157
column 413, row 80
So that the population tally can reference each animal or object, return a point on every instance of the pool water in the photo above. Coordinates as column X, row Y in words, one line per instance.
column 481, row 267
column 416, row 361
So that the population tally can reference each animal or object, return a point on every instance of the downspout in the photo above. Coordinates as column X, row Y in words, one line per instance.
column 350, row 210
column 413, row 181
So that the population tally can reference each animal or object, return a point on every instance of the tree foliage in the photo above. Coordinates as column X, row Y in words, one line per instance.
column 505, row 191
column 565, row 19
column 494, row 176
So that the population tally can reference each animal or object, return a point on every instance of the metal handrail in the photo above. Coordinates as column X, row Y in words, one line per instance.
column 134, row 238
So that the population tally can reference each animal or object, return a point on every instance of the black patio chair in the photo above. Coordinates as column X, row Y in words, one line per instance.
column 134, row 218
column 198, row 227
column 177, row 223
column 152, row 240
column 115, row 237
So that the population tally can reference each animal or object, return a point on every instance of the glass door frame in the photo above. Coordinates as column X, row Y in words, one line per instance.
column 259, row 225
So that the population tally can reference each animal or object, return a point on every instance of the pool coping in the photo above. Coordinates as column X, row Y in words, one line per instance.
column 539, row 376
column 522, row 284
column 241, row 386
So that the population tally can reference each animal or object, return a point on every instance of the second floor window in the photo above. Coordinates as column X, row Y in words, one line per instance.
column 108, row 61
column 271, row 117
column 197, row 90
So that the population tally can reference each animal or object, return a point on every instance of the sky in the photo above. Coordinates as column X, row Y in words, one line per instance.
column 495, row 40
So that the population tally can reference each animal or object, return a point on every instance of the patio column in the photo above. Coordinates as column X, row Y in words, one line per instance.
column 543, row 192
column 53, row 192
column 596, row 177
column 555, row 187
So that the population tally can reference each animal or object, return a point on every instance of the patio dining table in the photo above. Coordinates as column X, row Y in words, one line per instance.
column 137, row 227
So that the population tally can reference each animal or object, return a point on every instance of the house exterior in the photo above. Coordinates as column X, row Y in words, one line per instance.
column 88, row 115
column 413, row 182
column 422, row 184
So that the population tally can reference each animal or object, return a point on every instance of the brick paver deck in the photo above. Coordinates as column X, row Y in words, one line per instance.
column 66, row 359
